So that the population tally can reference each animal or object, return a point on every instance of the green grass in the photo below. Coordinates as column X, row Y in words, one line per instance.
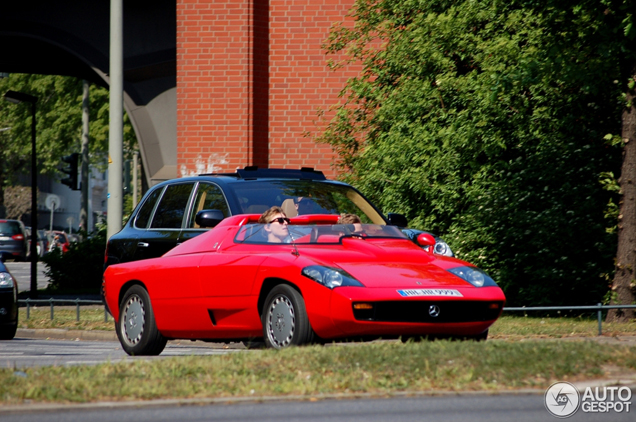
column 375, row 368
column 518, row 327
column 65, row 317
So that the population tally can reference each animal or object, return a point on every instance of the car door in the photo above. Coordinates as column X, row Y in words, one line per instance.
column 163, row 229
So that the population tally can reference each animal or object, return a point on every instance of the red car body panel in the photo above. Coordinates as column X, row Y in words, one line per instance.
column 212, row 286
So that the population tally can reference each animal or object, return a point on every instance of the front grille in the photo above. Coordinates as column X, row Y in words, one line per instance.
column 418, row 311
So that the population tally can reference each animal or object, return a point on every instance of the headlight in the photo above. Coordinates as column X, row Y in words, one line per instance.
column 474, row 276
column 330, row 277
column 442, row 248
column 6, row 280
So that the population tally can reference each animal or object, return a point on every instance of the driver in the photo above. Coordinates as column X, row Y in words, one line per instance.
column 354, row 220
column 275, row 224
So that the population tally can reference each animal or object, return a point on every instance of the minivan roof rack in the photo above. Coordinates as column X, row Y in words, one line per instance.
column 253, row 172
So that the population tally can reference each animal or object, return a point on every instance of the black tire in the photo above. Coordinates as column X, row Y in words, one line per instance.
column 136, row 329
column 7, row 332
column 284, row 318
column 481, row 337
column 254, row 344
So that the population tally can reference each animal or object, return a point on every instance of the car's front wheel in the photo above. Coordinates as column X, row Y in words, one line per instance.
column 136, row 329
column 285, row 321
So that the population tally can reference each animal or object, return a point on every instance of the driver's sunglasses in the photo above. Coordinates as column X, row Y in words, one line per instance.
column 280, row 220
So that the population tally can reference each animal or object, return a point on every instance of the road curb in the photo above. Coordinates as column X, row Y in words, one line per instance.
column 62, row 334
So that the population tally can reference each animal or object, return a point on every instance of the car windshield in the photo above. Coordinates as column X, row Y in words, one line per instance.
column 319, row 234
column 302, row 197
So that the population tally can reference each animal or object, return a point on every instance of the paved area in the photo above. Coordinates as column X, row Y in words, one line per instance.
column 22, row 273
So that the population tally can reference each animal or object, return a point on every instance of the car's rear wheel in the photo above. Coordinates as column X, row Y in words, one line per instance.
column 136, row 329
column 285, row 321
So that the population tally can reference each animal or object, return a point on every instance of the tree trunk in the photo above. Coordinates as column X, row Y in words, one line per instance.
column 624, row 283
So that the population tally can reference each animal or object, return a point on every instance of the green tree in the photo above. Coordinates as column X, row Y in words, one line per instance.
column 58, row 125
column 486, row 122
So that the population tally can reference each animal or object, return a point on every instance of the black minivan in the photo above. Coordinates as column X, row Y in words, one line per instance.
column 177, row 210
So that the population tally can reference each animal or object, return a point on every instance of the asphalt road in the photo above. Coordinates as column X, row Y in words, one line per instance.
column 21, row 271
column 26, row 352
column 528, row 407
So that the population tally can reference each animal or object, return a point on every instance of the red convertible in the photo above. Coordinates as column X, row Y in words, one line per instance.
column 326, row 282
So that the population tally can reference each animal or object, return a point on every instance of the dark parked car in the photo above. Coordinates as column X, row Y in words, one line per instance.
column 42, row 242
column 60, row 240
column 13, row 240
column 177, row 210
column 8, row 304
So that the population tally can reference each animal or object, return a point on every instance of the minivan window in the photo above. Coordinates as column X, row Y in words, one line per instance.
column 171, row 208
column 209, row 197
column 10, row 228
column 143, row 216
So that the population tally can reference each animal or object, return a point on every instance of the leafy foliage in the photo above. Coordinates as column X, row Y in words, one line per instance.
column 485, row 122
column 58, row 124
column 17, row 200
column 81, row 267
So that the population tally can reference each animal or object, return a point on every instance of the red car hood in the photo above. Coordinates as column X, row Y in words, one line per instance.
column 393, row 263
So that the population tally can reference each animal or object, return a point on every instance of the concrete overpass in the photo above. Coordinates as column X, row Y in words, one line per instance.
column 71, row 38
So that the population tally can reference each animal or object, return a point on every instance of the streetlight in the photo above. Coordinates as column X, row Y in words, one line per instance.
column 17, row 98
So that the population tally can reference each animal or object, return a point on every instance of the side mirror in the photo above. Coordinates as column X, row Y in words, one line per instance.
column 396, row 219
column 425, row 239
column 209, row 218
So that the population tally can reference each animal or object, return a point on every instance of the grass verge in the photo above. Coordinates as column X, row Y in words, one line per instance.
column 376, row 368
column 65, row 317
column 523, row 327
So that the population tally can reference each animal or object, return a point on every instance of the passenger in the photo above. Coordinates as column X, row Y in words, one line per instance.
column 275, row 224
column 351, row 219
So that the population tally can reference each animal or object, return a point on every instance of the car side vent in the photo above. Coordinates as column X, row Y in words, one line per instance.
column 211, row 313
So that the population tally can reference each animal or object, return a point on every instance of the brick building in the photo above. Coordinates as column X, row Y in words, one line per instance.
column 251, row 77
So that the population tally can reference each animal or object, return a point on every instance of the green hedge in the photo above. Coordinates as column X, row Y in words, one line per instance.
column 81, row 267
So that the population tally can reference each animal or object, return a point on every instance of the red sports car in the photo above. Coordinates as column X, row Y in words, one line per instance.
column 325, row 282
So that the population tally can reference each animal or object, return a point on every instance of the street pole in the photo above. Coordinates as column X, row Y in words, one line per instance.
column 34, row 208
column 116, row 125
column 17, row 98
column 85, row 179
column 135, row 168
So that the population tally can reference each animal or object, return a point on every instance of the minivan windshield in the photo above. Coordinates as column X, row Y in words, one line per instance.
column 300, row 197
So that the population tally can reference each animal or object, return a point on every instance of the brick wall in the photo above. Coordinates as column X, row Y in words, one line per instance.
column 251, row 77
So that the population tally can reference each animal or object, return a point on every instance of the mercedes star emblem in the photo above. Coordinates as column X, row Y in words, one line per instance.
column 433, row 311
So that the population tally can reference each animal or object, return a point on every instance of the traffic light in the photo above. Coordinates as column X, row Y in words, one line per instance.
column 71, row 170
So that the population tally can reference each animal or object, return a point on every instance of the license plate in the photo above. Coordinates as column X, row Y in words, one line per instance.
column 430, row 292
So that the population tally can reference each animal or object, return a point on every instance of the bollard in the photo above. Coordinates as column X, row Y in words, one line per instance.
column 77, row 310
column 28, row 308
column 600, row 319
column 51, row 302
column 105, row 315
